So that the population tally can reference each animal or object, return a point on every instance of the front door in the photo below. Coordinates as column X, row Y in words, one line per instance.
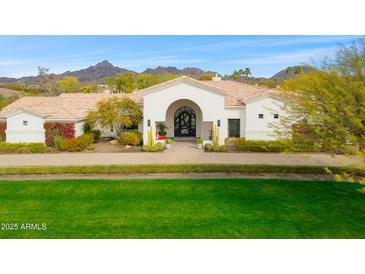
column 185, row 122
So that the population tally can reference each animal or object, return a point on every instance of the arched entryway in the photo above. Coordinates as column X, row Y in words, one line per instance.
column 185, row 122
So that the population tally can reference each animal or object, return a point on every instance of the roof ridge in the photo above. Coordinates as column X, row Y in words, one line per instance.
column 179, row 79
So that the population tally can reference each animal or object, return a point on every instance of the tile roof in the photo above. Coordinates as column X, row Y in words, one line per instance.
column 76, row 105
column 73, row 106
column 238, row 93
column 9, row 91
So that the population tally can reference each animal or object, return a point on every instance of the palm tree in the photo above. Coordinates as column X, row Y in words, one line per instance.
column 247, row 72
column 297, row 70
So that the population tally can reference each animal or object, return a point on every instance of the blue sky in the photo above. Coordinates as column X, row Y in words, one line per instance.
column 265, row 55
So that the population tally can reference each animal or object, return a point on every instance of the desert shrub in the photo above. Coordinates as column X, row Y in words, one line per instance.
column 57, row 142
column 89, row 129
column 96, row 134
column 231, row 141
column 22, row 147
column 153, row 148
column 208, row 147
column 77, row 144
column 215, row 148
column 284, row 145
column 218, row 148
column 133, row 138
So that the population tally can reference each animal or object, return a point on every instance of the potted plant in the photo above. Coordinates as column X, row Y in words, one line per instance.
column 161, row 131
column 199, row 143
column 168, row 143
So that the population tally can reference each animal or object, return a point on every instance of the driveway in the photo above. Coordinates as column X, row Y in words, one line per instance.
column 180, row 153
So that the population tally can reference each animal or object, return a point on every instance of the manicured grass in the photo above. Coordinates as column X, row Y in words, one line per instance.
column 171, row 168
column 204, row 208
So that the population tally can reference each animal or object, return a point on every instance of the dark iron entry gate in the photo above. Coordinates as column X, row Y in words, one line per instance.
column 185, row 122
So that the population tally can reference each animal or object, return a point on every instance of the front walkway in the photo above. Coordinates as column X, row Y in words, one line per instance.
column 180, row 153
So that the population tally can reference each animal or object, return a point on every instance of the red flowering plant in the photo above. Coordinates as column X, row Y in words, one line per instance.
column 161, row 134
column 65, row 130
column 2, row 131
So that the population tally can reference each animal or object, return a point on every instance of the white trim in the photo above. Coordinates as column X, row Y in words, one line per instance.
column 243, row 106
column 24, row 132
column 17, row 111
column 64, row 120
column 185, row 80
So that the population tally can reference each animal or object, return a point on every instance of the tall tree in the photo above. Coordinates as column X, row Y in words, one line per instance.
column 329, row 102
column 69, row 84
column 44, row 79
column 117, row 113
column 247, row 72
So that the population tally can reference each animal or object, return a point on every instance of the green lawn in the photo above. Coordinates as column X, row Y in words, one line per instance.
column 230, row 208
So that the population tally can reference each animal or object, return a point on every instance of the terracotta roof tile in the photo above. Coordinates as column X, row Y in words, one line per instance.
column 65, row 106
column 238, row 93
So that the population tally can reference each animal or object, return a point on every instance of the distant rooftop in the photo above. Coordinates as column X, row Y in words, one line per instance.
column 9, row 91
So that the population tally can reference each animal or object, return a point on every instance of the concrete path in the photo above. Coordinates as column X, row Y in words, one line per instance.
column 181, row 152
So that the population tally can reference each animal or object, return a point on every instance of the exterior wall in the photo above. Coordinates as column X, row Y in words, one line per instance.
column 16, row 132
column 79, row 128
column 236, row 113
column 259, row 129
column 156, row 105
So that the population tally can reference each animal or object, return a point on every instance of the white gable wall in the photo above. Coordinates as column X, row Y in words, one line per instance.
column 259, row 129
column 156, row 104
column 16, row 132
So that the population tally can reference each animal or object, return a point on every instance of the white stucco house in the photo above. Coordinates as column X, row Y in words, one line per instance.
column 188, row 107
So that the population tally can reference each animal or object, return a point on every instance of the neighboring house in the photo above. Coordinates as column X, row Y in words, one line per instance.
column 5, row 92
column 189, row 108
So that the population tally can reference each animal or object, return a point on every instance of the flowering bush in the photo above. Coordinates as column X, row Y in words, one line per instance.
column 2, row 131
column 65, row 130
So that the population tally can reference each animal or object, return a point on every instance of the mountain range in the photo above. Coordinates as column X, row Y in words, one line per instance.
column 106, row 69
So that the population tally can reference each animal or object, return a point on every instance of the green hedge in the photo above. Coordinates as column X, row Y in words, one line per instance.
column 22, row 147
column 273, row 146
column 173, row 168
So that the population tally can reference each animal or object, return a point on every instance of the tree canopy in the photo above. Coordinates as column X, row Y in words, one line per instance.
column 128, row 82
column 117, row 113
column 329, row 102
column 69, row 84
